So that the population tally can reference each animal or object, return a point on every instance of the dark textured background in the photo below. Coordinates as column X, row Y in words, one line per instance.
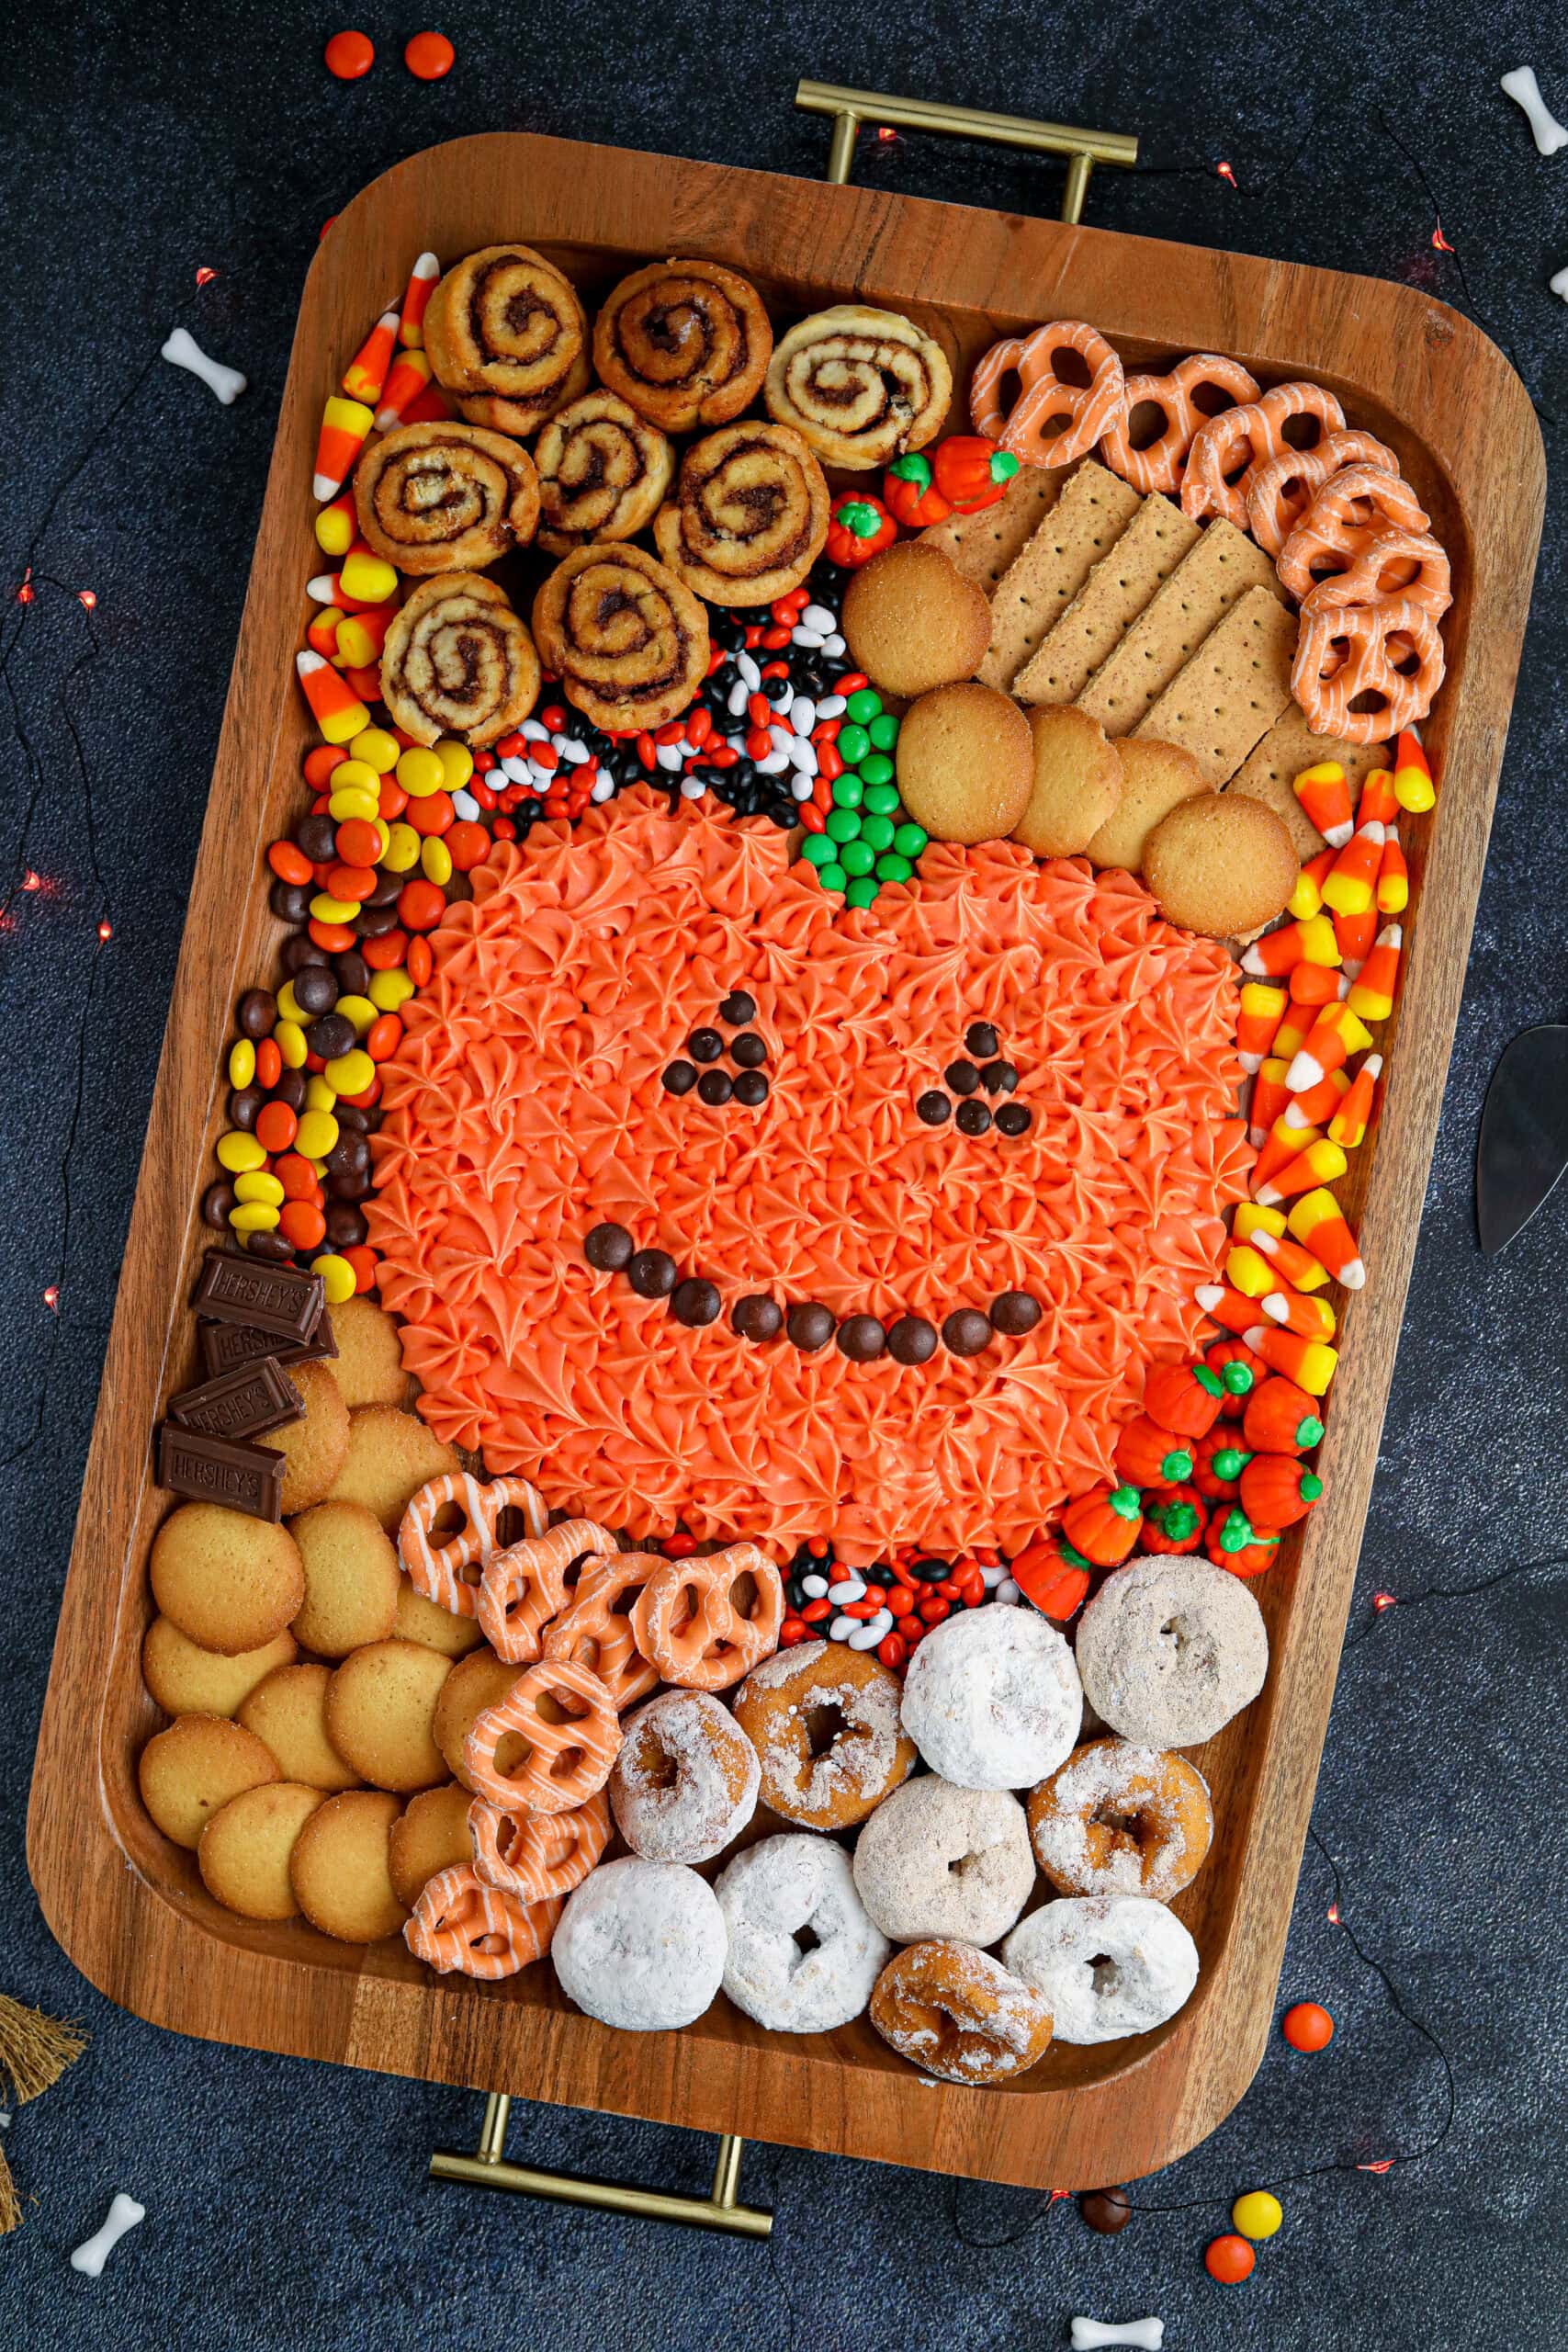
column 287, row 2203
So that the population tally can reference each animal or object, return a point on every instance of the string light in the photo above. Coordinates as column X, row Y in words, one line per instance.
column 52, row 1296
column 31, row 881
column 1225, row 173
column 1439, row 241
column 106, row 929
column 1379, row 2165
column 885, row 132
column 27, row 592
column 1334, row 1915
column 87, row 599
column 205, row 277
column 1381, row 1600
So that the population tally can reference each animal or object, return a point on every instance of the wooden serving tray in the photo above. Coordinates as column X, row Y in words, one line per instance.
column 130, row 1910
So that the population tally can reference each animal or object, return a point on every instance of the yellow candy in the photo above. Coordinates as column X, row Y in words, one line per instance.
column 354, row 776
column 402, row 852
column 319, row 1095
column 419, row 773
column 382, row 837
column 291, row 1042
column 241, row 1062
column 259, row 1184
column 352, row 1072
column 355, row 802
column 253, row 1217
column 437, row 859
column 326, row 908
column 456, row 761
column 389, row 989
column 369, row 579
column 377, row 749
column 289, row 1006
column 337, row 1275
column 237, row 1151
column 357, row 1009
column 318, row 1130
column 1255, row 2215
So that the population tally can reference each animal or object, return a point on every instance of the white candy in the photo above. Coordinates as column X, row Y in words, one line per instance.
column 804, row 753
column 571, row 749
column 803, row 714
column 691, row 787
column 739, row 695
column 800, row 787
column 750, row 672
column 814, row 1587
column 840, row 1628
column 832, row 706
column 182, row 350
column 604, row 789
column 866, row 1636
column 669, row 755
column 847, row 1588
column 1524, row 90
column 125, row 2213
column 783, row 740
column 516, row 771
column 807, row 635
column 774, row 764
column 1147, row 2335
column 818, row 617
column 833, row 646
column 1558, row 283
column 463, row 805
column 534, row 731
column 1007, row 1593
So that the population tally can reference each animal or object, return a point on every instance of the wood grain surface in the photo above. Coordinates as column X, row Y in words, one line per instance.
column 129, row 1908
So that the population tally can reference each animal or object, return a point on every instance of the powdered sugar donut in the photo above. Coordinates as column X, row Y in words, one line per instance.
column 1105, row 1965
column 992, row 1698
column 641, row 1945
column 1169, row 1649
column 685, row 1780
column 769, row 1894
column 939, row 1860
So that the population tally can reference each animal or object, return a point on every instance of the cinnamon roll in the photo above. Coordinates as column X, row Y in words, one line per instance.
column 862, row 386
column 457, row 661
column 602, row 472
column 750, row 517
column 628, row 641
column 685, row 342
column 506, row 337
column 446, row 497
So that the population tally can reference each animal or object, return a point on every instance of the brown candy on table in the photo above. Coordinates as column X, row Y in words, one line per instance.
column 220, row 1470
column 1106, row 2210
column 226, row 1346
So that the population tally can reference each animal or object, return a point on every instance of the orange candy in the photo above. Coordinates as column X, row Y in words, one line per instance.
column 1229, row 2259
column 359, row 842
column 276, row 1127
column 364, row 1261
column 1306, row 2025
column 290, row 863
column 386, row 952
column 350, row 56
column 421, row 906
column 303, row 1223
column 420, row 961
column 429, row 56
column 269, row 1063
column 383, row 1037
column 433, row 815
column 296, row 1176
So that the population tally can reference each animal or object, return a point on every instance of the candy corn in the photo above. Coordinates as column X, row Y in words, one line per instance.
column 1352, row 885
column 1335, row 1036
column 360, row 637
column 335, row 707
column 1378, row 804
column 411, row 374
column 364, row 583
column 1291, row 1034
column 1310, row 1318
column 1372, row 990
column 321, row 635
column 1281, row 951
column 1311, row 1363
column 1325, row 796
column 1351, row 1119
column 1320, row 1163
column 1394, row 876
column 1231, row 1307
column 1307, row 896
column 420, row 287
column 1251, row 1219
column 1290, row 1262
column 1315, row 984
column 345, row 427
column 1262, row 1010
column 1270, row 1096
column 1280, row 1147
column 336, row 526
column 1412, row 786
column 364, row 377
column 1355, row 934
column 1317, row 1104
column 1248, row 1271
column 1318, row 1224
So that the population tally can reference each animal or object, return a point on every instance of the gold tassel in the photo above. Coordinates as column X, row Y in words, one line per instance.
column 35, row 2051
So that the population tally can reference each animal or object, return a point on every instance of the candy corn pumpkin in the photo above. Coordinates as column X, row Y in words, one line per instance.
column 1103, row 1524
column 1234, row 1544
column 1216, row 1471
column 1146, row 1455
column 1281, row 1417
column 1184, row 1398
column 1053, row 1575
column 1175, row 1522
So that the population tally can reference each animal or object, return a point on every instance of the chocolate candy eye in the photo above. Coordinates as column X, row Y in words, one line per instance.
column 679, row 1078
column 967, row 1331
column 737, row 1009
column 608, row 1248
column 981, row 1040
column 1013, row 1119
column 911, row 1340
column 651, row 1273
column 705, row 1045
column 757, row 1317
column 809, row 1326
column 962, row 1077
column 973, row 1118
column 933, row 1110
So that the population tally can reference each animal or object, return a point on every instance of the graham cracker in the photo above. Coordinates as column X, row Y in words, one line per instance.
column 1236, row 684
column 1207, row 582
column 983, row 545
column 1110, row 601
column 1088, row 518
column 1269, row 774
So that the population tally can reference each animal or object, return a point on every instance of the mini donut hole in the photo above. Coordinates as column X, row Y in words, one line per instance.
column 825, row 1724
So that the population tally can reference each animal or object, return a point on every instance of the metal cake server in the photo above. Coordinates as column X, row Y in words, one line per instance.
column 1523, row 1147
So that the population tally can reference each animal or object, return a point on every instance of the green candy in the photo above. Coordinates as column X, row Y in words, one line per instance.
column 894, row 869
column 848, row 791
column 876, row 833
column 853, row 745
column 876, row 768
column 816, row 850
column 832, row 877
column 881, row 799
column 861, row 891
column 842, row 825
column 864, row 705
column 884, row 731
column 857, row 857
column 911, row 839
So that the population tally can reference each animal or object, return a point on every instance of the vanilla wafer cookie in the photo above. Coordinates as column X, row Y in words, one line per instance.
column 1121, row 585
column 1226, row 698
column 1172, row 626
column 1088, row 519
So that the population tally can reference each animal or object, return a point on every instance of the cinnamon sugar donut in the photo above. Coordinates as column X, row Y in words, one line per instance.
column 1120, row 1819
column 772, row 1894
column 750, row 515
column 685, row 1780
column 953, row 2010
column 939, row 1860
column 684, row 342
column 824, row 1720
column 641, row 1945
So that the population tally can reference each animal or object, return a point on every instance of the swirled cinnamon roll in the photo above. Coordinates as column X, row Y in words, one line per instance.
column 628, row 641
column 750, row 517
column 862, row 386
column 685, row 342
column 457, row 661
column 506, row 335
column 446, row 497
column 602, row 472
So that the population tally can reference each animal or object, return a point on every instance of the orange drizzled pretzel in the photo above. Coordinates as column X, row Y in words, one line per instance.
column 597, row 1631
column 538, row 1857
column 460, row 1924
column 1279, row 494
column 687, row 1624
column 570, row 1749
column 1158, row 465
column 1351, row 506
column 1405, row 567
column 438, row 1568
column 1389, row 651
column 522, row 1588
column 1090, row 410
column 1229, row 452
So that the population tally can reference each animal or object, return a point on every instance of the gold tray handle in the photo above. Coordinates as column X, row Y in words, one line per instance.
column 488, row 2168
column 849, row 108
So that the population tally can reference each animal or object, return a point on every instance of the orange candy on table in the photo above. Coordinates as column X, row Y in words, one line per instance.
column 1307, row 2025
column 276, row 1127
column 429, row 56
column 1229, row 2259
column 1104, row 1524
column 350, row 56
column 1183, row 1398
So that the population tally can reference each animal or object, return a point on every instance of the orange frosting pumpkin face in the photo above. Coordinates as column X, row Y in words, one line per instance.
column 526, row 1105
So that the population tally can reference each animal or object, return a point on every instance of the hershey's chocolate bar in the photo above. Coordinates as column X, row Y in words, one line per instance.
column 280, row 1299
column 242, row 1403
column 220, row 1470
column 226, row 1346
